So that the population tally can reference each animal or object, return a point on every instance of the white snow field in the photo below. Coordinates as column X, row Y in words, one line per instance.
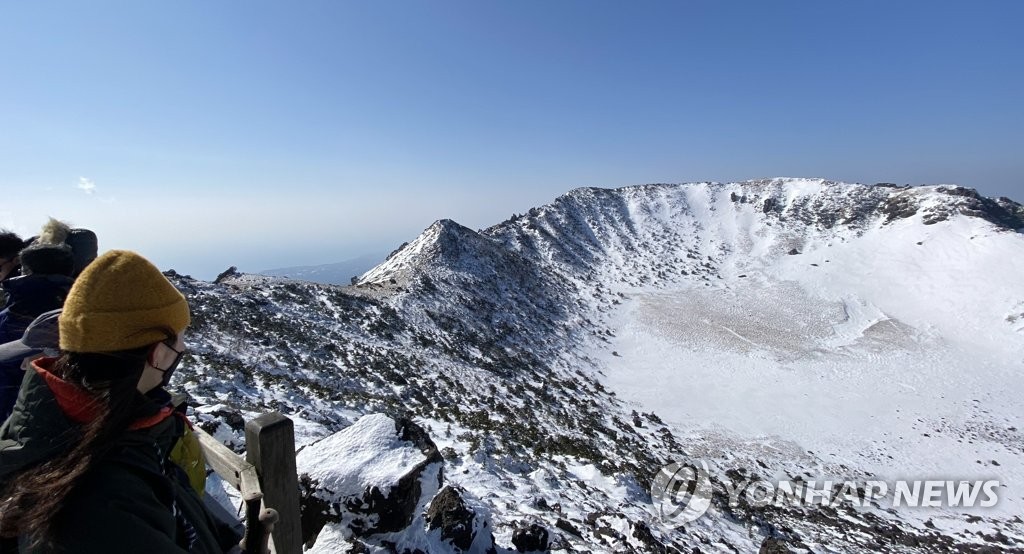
column 896, row 351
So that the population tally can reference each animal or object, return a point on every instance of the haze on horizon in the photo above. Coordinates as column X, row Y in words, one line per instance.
column 266, row 135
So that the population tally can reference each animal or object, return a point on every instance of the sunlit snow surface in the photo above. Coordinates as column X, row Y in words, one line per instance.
column 894, row 353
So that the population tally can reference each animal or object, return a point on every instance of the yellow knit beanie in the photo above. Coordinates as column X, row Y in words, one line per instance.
column 120, row 302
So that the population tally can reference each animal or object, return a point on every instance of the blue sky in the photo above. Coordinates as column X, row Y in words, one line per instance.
column 269, row 134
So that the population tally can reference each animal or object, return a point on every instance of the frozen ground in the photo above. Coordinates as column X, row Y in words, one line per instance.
column 880, row 356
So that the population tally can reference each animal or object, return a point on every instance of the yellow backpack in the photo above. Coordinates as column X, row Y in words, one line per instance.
column 189, row 456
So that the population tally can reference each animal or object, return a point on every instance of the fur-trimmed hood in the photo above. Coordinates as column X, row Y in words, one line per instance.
column 54, row 232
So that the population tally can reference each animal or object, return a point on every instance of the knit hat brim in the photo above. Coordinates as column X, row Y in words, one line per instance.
column 105, row 332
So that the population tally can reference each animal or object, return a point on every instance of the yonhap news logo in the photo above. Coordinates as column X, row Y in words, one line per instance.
column 681, row 492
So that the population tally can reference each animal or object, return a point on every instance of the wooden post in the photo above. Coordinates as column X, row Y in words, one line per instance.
column 238, row 473
column 270, row 446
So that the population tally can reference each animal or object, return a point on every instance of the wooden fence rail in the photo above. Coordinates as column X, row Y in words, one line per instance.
column 268, row 469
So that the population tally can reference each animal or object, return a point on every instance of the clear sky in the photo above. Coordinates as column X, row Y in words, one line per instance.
column 269, row 134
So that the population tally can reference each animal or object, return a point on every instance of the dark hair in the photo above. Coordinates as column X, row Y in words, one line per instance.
column 33, row 503
column 10, row 244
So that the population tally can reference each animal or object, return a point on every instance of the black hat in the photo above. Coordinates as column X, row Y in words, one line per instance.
column 48, row 259
column 84, row 247
column 40, row 335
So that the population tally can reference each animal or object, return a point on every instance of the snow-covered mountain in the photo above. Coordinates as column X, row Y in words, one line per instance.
column 339, row 273
column 552, row 364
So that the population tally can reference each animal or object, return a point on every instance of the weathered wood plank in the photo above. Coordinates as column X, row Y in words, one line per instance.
column 249, row 481
column 270, row 446
column 232, row 468
column 222, row 459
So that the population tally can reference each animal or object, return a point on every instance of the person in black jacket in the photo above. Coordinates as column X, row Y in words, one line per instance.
column 10, row 245
column 40, row 338
column 49, row 263
column 85, row 461
column 45, row 282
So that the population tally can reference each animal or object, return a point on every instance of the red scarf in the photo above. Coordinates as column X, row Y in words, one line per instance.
column 80, row 405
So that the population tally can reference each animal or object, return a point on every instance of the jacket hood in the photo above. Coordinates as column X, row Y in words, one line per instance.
column 47, row 417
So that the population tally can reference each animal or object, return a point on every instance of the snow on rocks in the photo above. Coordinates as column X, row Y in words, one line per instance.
column 525, row 348
column 376, row 484
column 463, row 527
column 371, row 477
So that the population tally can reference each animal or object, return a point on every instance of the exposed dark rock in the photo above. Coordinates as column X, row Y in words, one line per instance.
column 772, row 545
column 934, row 217
column 642, row 533
column 449, row 454
column 959, row 191
column 900, row 206
column 532, row 538
column 458, row 524
column 997, row 537
column 358, row 547
column 1002, row 212
column 314, row 511
column 229, row 272
column 568, row 527
column 609, row 535
column 234, row 420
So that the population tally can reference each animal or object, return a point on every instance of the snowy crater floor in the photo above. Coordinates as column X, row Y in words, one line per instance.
column 765, row 369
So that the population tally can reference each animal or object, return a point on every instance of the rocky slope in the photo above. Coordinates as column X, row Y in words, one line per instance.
column 496, row 343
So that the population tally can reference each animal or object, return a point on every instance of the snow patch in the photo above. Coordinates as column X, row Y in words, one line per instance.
column 367, row 454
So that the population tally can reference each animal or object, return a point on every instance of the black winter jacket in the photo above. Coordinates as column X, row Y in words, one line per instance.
column 134, row 500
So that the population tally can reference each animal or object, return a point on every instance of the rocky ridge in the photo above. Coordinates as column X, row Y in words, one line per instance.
column 482, row 339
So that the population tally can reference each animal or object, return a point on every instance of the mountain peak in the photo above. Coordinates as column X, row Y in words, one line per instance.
column 445, row 243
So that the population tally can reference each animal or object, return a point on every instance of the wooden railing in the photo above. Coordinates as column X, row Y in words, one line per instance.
column 267, row 472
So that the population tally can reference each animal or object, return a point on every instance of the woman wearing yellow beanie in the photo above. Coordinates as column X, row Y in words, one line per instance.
column 84, row 463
